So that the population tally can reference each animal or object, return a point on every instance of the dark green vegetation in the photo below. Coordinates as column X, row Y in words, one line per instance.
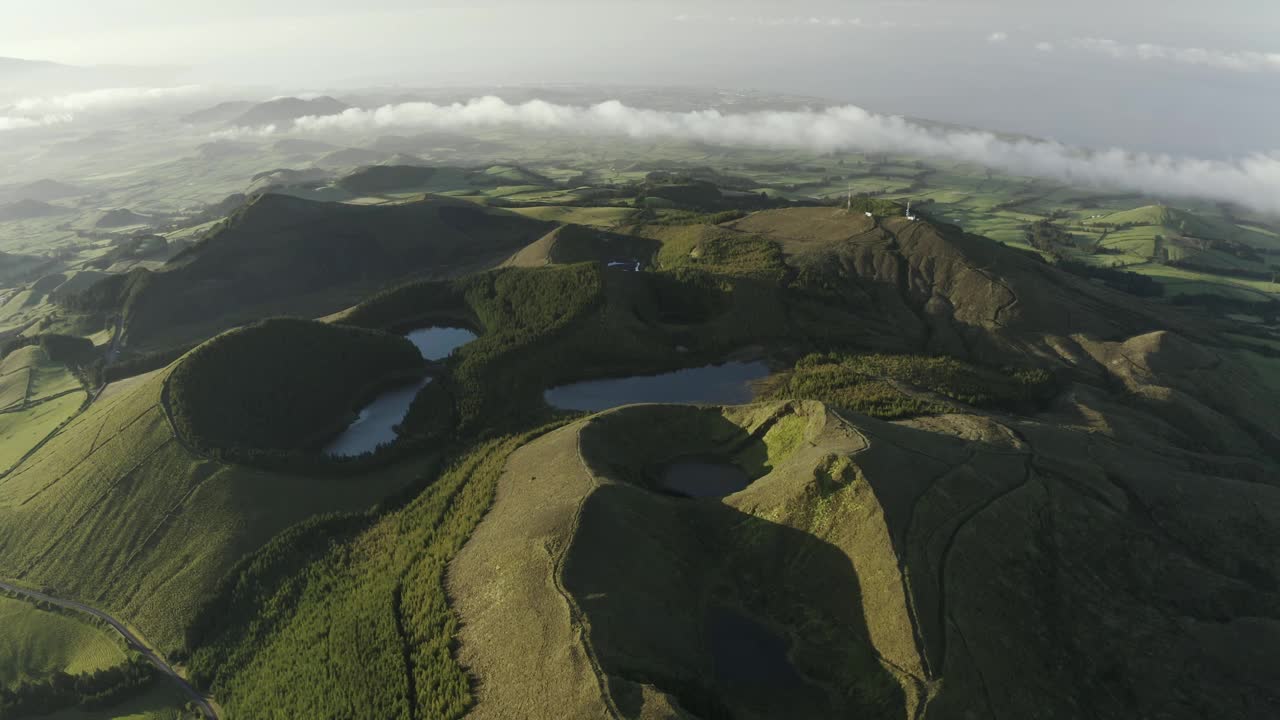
column 53, row 660
column 1071, row 513
column 895, row 386
column 570, row 244
column 116, row 510
column 307, row 257
column 255, row 388
column 349, row 614
column 731, row 561
column 41, row 641
column 87, row 691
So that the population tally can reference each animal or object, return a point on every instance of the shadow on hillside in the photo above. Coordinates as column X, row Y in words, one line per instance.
column 699, row 599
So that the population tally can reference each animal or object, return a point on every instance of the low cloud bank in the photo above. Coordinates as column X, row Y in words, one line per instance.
column 1237, row 60
column 1253, row 181
column 22, row 122
column 104, row 98
column 43, row 110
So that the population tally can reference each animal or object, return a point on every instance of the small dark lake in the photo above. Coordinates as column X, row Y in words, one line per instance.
column 748, row 655
column 703, row 479
column 376, row 424
column 438, row 343
column 727, row 384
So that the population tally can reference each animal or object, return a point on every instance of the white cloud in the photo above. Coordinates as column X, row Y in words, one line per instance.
column 39, row 111
column 104, row 98
column 1253, row 181
column 242, row 132
column 1044, row 46
column 997, row 37
column 19, row 122
column 1237, row 60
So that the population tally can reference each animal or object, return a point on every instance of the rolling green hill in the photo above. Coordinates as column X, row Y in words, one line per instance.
column 37, row 643
column 27, row 376
column 873, row 549
column 28, row 209
column 1065, row 504
column 282, row 112
column 117, row 511
column 1172, row 219
column 281, row 254
column 283, row 384
column 58, row 664
column 385, row 179
column 37, row 395
column 570, row 244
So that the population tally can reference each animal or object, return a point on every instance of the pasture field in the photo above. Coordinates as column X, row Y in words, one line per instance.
column 36, row 643
column 21, row 430
column 27, row 376
column 118, row 512
column 602, row 217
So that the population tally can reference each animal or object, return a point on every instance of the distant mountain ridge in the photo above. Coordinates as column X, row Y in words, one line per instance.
column 12, row 63
column 41, row 190
column 284, row 111
column 27, row 209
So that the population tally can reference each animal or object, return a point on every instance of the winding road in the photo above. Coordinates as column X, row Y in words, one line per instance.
column 130, row 638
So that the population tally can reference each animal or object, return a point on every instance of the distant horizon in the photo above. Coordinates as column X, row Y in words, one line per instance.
column 1198, row 83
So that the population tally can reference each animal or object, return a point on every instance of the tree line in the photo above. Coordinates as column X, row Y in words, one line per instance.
column 86, row 691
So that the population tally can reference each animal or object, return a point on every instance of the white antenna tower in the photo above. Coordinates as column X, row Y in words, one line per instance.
column 848, row 204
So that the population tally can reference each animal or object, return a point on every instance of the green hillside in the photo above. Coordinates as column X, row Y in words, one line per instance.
column 359, row 616
column 255, row 388
column 398, row 179
column 118, row 511
column 570, row 244
column 28, row 376
column 281, row 254
column 160, row 703
column 980, row 481
column 1172, row 219
column 37, row 643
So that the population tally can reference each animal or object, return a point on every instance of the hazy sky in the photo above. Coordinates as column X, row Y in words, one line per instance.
column 1179, row 76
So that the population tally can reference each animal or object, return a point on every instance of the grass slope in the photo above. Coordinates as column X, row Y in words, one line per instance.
column 282, row 254
column 570, row 244
column 117, row 512
column 636, row 575
column 349, row 616
column 22, row 430
column 37, row 643
column 27, row 375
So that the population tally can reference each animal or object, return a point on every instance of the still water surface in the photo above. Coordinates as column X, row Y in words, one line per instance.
column 376, row 424
column 703, row 479
column 438, row 343
column 727, row 384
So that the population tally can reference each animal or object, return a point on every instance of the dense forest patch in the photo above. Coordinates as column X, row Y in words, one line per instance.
column 890, row 386
column 282, row 384
column 372, row 590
